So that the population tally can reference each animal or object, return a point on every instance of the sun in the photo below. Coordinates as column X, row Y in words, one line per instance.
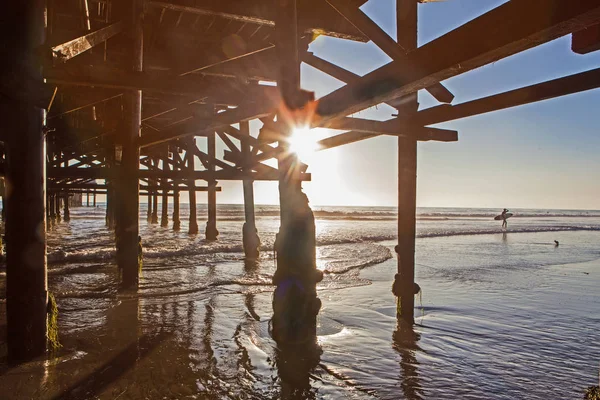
column 302, row 142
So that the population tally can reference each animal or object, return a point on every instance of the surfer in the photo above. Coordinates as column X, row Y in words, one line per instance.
column 504, row 217
column 556, row 243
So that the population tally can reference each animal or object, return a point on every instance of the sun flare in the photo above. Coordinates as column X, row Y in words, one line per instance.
column 302, row 142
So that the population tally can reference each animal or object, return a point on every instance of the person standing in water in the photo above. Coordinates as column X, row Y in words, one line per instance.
column 504, row 223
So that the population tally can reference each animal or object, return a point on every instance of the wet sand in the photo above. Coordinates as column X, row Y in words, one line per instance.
column 500, row 318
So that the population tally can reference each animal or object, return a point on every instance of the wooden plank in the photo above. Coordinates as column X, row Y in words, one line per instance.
column 382, row 40
column 72, row 48
column 525, row 24
column 586, row 40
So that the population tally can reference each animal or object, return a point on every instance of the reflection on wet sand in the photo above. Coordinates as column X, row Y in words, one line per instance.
column 295, row 366
column 404, row 341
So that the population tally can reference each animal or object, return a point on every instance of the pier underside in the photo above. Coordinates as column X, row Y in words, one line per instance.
column 164, row 99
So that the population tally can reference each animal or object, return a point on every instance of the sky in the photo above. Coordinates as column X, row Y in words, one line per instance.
column 543, row 155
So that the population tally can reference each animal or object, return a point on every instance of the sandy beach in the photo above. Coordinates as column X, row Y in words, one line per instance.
column 500, row 316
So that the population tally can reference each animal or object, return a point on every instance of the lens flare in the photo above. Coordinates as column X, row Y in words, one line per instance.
column 303, row 144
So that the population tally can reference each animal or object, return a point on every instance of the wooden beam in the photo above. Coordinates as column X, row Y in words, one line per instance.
column 221, row 120
column 119, row 79
column 72, row 105
column 382, row 40
column 252, row 13
column 75, row 47
column 222, row 175
column 586, row 40
column 564, row 86
column 567, row 85
column 526, row 24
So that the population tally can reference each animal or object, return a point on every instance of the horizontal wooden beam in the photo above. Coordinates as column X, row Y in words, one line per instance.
column 124, row 80
column 93, row 186
column 382, row 40
column 73, row 48
column 525, row 24
column 221, row 120
column 587, row 40
column 310, row 21
column 223, row 175
column 564, row 86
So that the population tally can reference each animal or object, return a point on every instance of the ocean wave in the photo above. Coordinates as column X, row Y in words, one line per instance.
column 60, row 256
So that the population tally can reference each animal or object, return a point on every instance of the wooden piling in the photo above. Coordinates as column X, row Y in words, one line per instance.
column 128, row 210
column 149, row 213
column 52, row 203
column 164, row 219
column 110, row 205
column 404, row 282
column 57, row 200
column 176, row 220
column 26, row 274
column 67, row 211
column 189, row 155
column 211, row 225
column 250, row 237
column 87, row 203
column 295, row 301
column 94, row 198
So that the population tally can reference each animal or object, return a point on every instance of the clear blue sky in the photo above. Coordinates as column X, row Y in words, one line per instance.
column 544, row 155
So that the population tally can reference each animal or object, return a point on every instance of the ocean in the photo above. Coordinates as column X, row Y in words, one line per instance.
column 502, row 315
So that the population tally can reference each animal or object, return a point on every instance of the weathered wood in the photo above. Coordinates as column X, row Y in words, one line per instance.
column 77, row 46
column 294, row 310
column 164, row 220
column 193, row 222
column 315, row 23
column 221, row 175
column 25, row 229
column 394, row 50
column 128, row 183
column 221, row 120
column 76, row 106
column 211, row 225
column 176, row 220
column 149, row 212
column 564, row 86
column 404, row 282
column 586, row 40
column 526, row 24
column 250, row 237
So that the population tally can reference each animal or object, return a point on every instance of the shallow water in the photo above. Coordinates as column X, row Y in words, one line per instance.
column 502, row 316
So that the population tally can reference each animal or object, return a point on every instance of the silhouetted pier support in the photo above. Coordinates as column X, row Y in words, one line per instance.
column 154, row 217
column 57, row 205
column 189, row 155
column 87, row 199
column 94, row 198
column 52, row 213
column 176, row 220
column 404, row 283
column 250, row 237
column 164, row 218
column 110, row 205
column 211, row 225
column 128, row 210
column 149, row 213
column 295, row 301
column 67, row 211
column 26, row 283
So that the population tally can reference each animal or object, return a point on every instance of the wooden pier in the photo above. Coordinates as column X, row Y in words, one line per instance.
column 129, row 98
